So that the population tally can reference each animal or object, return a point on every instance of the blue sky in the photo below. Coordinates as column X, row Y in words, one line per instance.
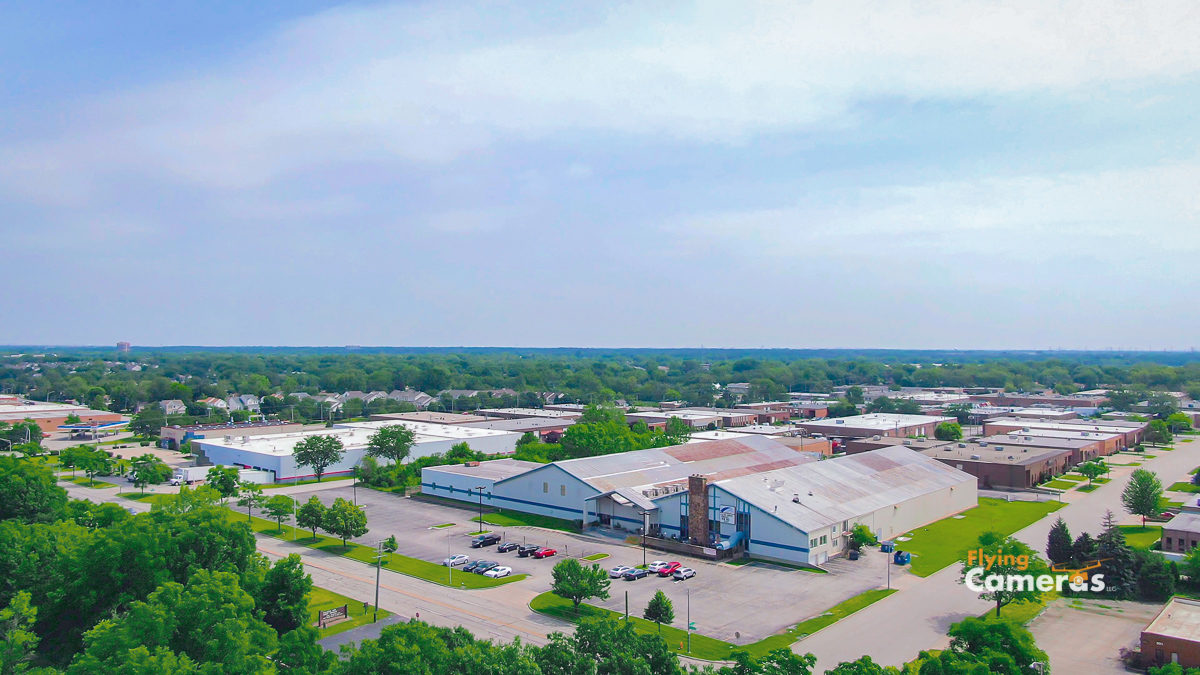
column 824, row 174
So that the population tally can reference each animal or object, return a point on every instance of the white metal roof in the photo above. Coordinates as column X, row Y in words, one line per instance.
column 495, row 469
column 845, row 488
column 878, row 421
column 353, row 435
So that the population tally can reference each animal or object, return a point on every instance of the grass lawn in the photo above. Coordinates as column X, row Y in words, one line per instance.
column 413, row 567
column 517, row 519
column 702, row 646
column 83, row 480
column 1184, row 487
column 1193, row 471
column 1067, row 476
column 1020, row 613
column 311, row 481
column 443, row 526
column 946, row 541
column 1059, row 484
column 1164, row 504
column 1142, row 537
column 1088, row 488
column 738, row 562
column 1101, row 481
column 595, row 556
column 320, row 600
column 149, row 497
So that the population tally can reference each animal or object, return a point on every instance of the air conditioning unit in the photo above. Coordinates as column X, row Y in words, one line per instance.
column 976, row 457
column 962, row 445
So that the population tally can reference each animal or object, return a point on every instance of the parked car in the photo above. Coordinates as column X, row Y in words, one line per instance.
column 484, row 566
column 470, row 567
column 527, row 550
column 507, row 546
column 498, row 571
column 544, row 553
column 634, row 575
column 485, row 540
column 655, row 566
column 684, row 573
column 455, row 560
column 669, row 569
column 618, row 571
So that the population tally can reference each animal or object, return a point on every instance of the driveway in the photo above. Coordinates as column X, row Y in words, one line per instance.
column 1082, row 637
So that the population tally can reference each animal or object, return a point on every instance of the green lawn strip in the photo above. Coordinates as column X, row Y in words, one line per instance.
column 421, row 569
column 787, row 566
column 516, row 519
column 1059, row 485
column 738, row 562
column 1184, row 487
column 1142, row 537
column 1193, row 471
column 311, row 481
column 945, row 542
column 595, row 556
column 83, row 481
column 1068, row 476
column 702, row 646
column 1088, row 488
column 150, row 497
column 320, row 599
column 1020, row 613
column 442, row 526
column 1164, row 504
column 1101, row 481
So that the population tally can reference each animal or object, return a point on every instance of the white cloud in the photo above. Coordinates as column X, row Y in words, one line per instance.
column 424, row 83
column 1110, row 215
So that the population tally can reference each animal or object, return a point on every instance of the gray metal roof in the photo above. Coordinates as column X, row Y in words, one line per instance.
column 657, row 466
column 1186, row 521
column 847, row 487
column 495, row 469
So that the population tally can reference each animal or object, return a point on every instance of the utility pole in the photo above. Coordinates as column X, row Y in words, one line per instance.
column 480, row 489
column 689, row 613
column 645, row 526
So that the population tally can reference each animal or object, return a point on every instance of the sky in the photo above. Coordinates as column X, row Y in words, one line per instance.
column 844, row 174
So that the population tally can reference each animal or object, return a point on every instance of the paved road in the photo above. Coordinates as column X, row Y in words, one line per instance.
column 916, row 618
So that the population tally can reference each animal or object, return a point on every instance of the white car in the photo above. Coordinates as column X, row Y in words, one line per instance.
column 455, row 560
column 497, row 572
column 655, row 566
column 683, row 573
column 618, row 571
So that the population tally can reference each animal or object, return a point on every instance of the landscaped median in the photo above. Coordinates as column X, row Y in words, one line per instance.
column 945, row 542
column 421, row 569
column 512, row 519
column 704, row 647
column 320, row 599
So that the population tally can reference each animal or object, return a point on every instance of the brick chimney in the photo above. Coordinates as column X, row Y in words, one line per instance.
column 698, row 509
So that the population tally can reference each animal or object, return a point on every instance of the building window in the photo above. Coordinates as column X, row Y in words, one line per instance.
column 824, row 539
column 812, row 543
column 562, row 490
column 546, row 488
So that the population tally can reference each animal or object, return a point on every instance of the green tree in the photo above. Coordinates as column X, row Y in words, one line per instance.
column 677, row 431
column 393, row 443
column 1117, row 561
column 1142, row 494
column 29, row 491
column 1190, row 567
column 576, row 582
column 318, row 452
column 1155, row 581
column 250, row 495
column 279, row 507
column 978, row 646
column 311, row 515
column 659, row 610
column 345, row 520
column 94, row 463
column 149, row 422
column 1158, row 433
column 863, row 666
column 223, row 479
column 283, row 596
column 73, row 419
column 17, row 638
column 1179, row 423
column 948, row 431
column 148, row 469
column 1092, row 470
column 187, row 500
column 860, row 536
column 528, row 438
column 1058, row 543
column 854, row 395
column 1013, row 551
column 960, row 411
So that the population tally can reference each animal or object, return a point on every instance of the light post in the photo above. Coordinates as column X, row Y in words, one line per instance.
column 354, row 486
column 689, row 614
column 480, row 488
column 382, row 549
column 645, row 526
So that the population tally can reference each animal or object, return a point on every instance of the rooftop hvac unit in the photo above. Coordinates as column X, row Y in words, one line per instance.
column 983, row 444
column 962, row 445
column 1010, row 456
column 839, row 421
column 795, row 499
column 999, row 448
column 908, row 441
column 776, row 484
column 877, row 437
column 976, row 457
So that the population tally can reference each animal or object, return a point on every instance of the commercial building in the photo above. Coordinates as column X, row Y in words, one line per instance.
column 521, row 413
column 548, row 429
column 427, row 417
column 695, row 420
column 1001, row 465
column 1086, row 400
column 1181, row 533
column 1126, row 433
column 463, row 481
column 813, row 410
column 875, row 424
column 274, row 452
column 1174, row 635
column 50, row 416
column 751, row 492
column 1083, row 449
column 174, row 436
column 737, row 417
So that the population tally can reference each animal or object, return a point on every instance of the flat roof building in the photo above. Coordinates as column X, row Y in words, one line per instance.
column 1174, row 635
column 1129, row 433
column 1006, row 466
column 175, row 436
column 50, row 416
column 1181, row 533
column 550, row 430
column 519, row 413
column 428, row 417
column 695, row 420
column 873, row 424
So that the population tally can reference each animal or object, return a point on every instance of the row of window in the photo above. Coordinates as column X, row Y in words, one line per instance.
column 562, row 489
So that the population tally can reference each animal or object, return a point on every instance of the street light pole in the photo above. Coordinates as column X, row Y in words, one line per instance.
column 645, row 526
column 480, row 489
column 689, row 614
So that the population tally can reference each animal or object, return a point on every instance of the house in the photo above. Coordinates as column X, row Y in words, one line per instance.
column 418, row 398
column 243, row 402
column 173, row 407
column 739, row 389
column 214, row 403
column 1181, row 533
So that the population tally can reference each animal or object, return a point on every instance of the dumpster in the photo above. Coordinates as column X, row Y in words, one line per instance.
column 887, row 546
column 854, row 555
column 902, row 557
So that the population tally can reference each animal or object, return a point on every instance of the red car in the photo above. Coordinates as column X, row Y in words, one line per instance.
column 544, row 553
column 669, row 569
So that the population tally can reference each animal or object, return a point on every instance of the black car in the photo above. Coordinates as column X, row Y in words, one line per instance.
column 634, row 575
column 470, row 567
column 526, row 551
column 485, row 565
column 485, row 540
column 507, row 546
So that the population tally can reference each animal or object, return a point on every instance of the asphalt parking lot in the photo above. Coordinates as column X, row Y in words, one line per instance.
column 1083, row 637
column 739, row 604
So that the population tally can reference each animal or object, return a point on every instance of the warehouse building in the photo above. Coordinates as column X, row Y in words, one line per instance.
column 1174, row 636
column 875, row 424
column 50, row 416
column 175, row 436
column 1004, row 466
column 1113, row 438
column 274, row 452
